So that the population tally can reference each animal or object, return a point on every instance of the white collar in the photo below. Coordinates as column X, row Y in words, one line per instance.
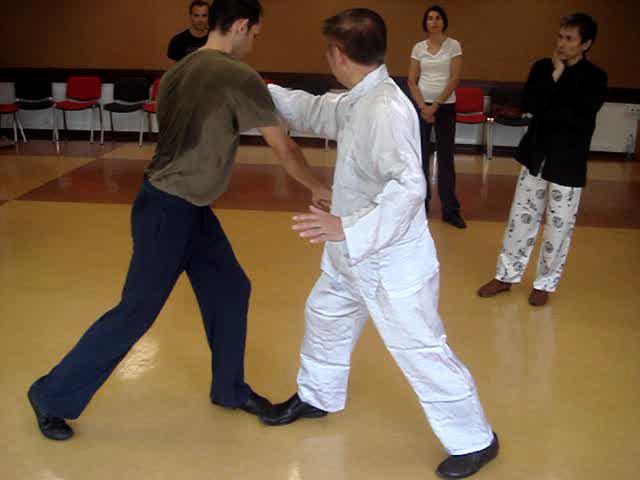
column 368, row 83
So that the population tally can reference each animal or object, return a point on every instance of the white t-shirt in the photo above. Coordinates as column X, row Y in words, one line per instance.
column 435, row 70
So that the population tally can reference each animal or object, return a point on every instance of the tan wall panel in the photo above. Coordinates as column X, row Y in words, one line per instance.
column 500, row 38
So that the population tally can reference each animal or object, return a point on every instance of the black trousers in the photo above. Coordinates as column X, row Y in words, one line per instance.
column 170, row 235
column 445, row 124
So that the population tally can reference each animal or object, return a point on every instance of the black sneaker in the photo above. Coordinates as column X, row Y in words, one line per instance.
column 54, row 428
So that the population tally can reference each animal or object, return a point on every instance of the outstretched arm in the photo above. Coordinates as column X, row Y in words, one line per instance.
column 318, row 114
column 293, row 161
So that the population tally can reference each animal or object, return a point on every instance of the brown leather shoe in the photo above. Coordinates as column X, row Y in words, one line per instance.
column 538, row 297
column 493, row 288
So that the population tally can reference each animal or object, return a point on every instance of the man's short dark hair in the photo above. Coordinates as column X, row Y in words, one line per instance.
column 439, row 10
column 586, row 25
column 360, row 33
column 197, row 3
column 223, row 13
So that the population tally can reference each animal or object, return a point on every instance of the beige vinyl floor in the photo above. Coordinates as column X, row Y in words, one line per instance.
column 560, row 384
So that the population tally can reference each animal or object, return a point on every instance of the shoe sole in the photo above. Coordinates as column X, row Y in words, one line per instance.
column 35, row 410
column 534, row 304
column 242, row 409
column 459, row 227
column 489, row 295
column 486, row 460
column 246, row 410
column 308, row 415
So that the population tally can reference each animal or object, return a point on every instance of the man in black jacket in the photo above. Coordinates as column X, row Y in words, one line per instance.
column 563, row 94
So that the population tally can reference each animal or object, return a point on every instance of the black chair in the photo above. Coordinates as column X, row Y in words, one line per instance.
column 34, row 94
column 506, row 110
column 130, row 94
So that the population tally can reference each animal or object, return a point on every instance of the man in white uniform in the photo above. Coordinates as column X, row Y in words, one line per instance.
column 379, row 258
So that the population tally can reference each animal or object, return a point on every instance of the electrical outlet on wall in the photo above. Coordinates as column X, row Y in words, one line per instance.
column 632, row 109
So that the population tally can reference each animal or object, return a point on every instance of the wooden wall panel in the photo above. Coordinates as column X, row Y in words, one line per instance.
column 500, row 38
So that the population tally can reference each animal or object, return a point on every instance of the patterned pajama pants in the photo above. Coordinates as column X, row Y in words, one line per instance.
column 533, row 195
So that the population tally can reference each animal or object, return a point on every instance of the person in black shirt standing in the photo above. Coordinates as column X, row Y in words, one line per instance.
column 564, row 95
column 193, row 37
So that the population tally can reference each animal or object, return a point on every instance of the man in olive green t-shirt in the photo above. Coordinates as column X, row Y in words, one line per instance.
column 204, row 102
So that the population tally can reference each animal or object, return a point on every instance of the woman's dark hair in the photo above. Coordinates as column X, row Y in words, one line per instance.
column 586, row 25
column 360, row 33
column 439, row 10
column 223, row 13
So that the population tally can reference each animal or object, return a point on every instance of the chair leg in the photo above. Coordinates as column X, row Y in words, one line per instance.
column 101, row 125
column 489, row 138
column 64, row 127
column 53, row 124
column 484, row 189
column 24, row 138
column 484, row 146
column 488, row 133
column 93, row 111
column 434, row 171
column 15, row 128
column 141, row 127
column 56, row 133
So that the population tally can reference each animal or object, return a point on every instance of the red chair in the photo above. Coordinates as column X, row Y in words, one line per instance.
column 470, row 109
column 12, row 109
column 82, row 93
column 150, row 108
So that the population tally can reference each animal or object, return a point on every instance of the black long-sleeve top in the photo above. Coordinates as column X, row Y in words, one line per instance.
column 564, row 118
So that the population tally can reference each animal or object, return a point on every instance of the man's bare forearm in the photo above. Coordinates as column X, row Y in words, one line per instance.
column 297, row 167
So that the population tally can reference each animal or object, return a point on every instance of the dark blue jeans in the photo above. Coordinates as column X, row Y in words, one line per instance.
column 170, row 236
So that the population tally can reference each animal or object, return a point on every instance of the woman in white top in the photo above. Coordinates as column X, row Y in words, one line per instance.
column 434, row 74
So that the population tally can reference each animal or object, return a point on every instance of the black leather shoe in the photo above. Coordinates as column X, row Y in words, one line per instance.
column 290, row 411
column 255, row 404
column 454, row 219
column 54, row 428
column 461, row 466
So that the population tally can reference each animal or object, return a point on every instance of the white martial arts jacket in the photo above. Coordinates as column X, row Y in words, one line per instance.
column 379, row 187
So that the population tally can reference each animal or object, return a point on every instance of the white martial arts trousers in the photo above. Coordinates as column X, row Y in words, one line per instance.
column 527, row 210
column 411, row 329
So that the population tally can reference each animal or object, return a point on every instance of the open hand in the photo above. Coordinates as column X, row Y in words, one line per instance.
column 319, row 226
